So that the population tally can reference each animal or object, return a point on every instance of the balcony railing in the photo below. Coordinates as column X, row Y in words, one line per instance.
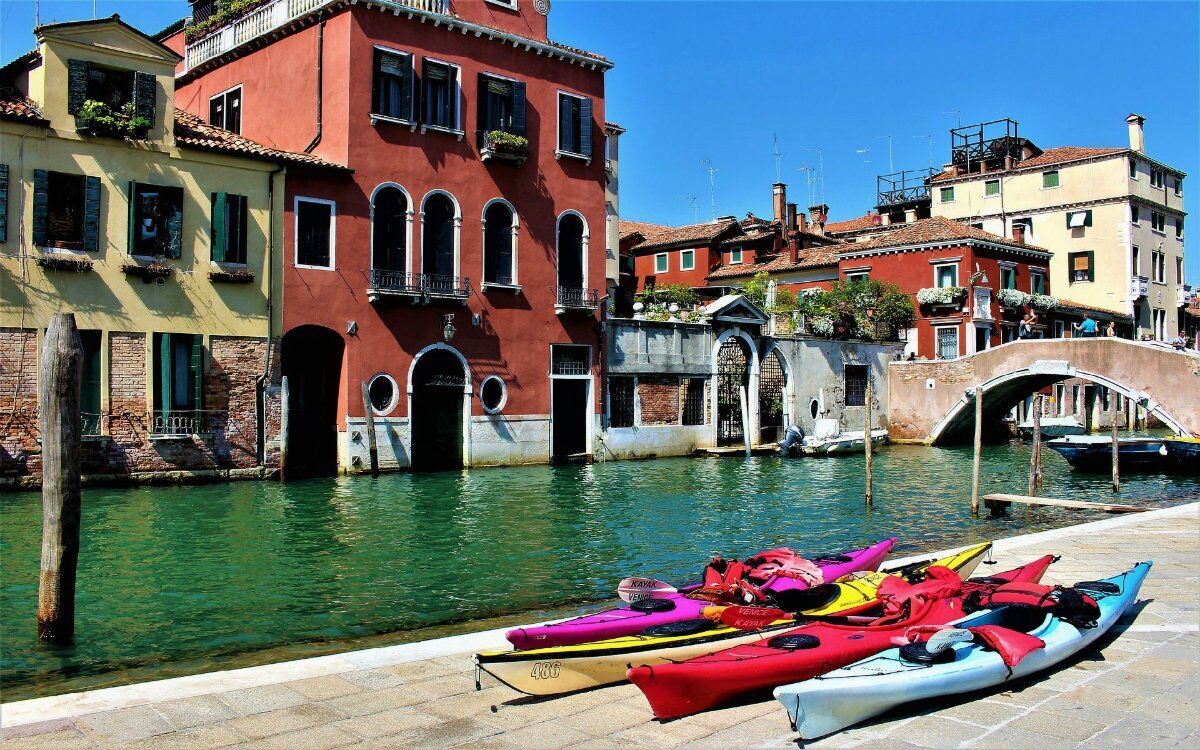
column 900, row 188
column 575, row 298
column 183, row 423
column 90, row 424
column 418, row 286
column 267, row 18
column 1139, row 286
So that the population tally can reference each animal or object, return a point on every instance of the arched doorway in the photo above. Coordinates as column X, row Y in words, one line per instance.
column 389, row 230
column 311, row 359
column 733, row 374
column 772, row 401
column 570, row 252
column 438, row 386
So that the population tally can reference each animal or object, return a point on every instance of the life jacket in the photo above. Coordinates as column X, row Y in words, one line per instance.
column 725, row 582
column 898, row 595
column 1012, row 645
column 1068, row 604
column 785, row 563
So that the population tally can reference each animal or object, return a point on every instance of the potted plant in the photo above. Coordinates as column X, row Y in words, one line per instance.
column 1012, row 298
column 155, row 271
column 1043, row 301
column 942, row 296
column 235, row 276
column 98, row 118
column 64, row 262
column 498, row 144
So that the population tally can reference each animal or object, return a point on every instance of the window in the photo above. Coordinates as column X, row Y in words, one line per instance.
column 687, row 260
column 572, row 253
column 1178, row 185
column 1179, row 226
column 946, row 195
column 156, row 214
column 383, row 393
column 501, row 105
column 570, row 359
column 693, row 401
column 110, row 86
column 856, row 385
column 392, row 85
column 991, row 188
column 983, row 338
column 1158, row 266
column 661, row 263
column 89, row 393
column 1079, row 219
column 314, row 232
column 1037, row 282
column 115, row 89
column 499, row 244
column 1008, row 277
column 947, row 342
column 1050, row 179
column 3, row 203
column 225, row 110
column 1159, row 319
column 439, row 95
column 66, row 210
column 229, row 225
column 857, row 276
column 620, row 402
column 390, row 229
column 1060, row 329
column 1179, row 271
column 1156, row 178
column 735, row 256
column 1083, row 266
column 1137, row 260
column 492, row 394
column 439, row 235
column 178, row 378
column 945, row 275
column 1136, row 214
column 1133, row 169
column 574, row 125
column 1158, row 221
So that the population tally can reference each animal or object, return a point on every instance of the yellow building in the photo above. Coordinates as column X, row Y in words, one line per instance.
column 157, row 230
column 1113, row 217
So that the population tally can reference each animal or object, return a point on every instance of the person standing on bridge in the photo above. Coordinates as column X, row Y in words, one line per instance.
column 1087, row 328
column 1111, row 329
column 1025, row 329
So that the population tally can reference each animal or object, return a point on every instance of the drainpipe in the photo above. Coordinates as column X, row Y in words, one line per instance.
column 268, row 266
column 320, row 85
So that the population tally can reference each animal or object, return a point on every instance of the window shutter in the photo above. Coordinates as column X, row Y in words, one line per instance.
column 162, row 394
column 175, row 230
column 77, row 79
column 145, row 88
column 377, row 83
column 3, row 203
column 1087, row 222
column 407, row 79
column 1091, row 261
column 518, row 108
column 585, row 127
column 197, row 372
column 482, row 118
column 241, row 223
column 41, row 207
column 133, row 219
column 219, row 236
column 91, row 213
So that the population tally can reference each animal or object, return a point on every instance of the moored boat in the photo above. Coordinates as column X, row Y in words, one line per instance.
column 1031, row 640
column 1093, row 453
column 1183, row 454
column 1053, row 427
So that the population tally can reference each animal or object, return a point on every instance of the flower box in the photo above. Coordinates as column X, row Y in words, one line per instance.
column 1012, row 298
column 942, row 296
column 1043, row 301
column 238, row 276
column 64, row 262
column 504, row 146
column 97, row 118
column 149, row 273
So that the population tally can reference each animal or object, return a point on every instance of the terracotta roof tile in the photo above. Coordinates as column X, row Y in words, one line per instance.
column 193, row 132
column 933, row 229
column 698, row 234
column 1070, row 306
column 1049, row 157
column 869, row 221
column 17, row 107
column 811, row 257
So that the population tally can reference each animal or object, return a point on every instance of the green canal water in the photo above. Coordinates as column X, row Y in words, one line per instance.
column 180, row 580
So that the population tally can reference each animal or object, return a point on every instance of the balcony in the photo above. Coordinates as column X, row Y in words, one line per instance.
column 183, row 424
column 574, row 298
column 273, row 15
column 902, row 189
column 419, row 287
column 1139, row 287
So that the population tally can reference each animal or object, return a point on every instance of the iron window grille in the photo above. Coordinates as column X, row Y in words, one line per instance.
column 620, row 402
column 569, row 359
column 693, row 401
column 856, row 385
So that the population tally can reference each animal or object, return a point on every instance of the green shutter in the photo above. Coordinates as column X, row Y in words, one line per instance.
column 218, row 231
column 77, row 80
column 41, row 207
column 197, row 372
column 145, row 89
column 91, row 213
column 133, row 219
column 585, row 127
column 1087, row 222
column 162, row 390
column 518, row 118
column 3, row 203
column 1091, row 264
column 241, row 221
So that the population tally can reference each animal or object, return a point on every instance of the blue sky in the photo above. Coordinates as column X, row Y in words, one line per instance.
column 719, row 80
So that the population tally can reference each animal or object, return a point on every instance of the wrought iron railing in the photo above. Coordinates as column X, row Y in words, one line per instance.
column 898, row 188
column 183, row 422
column 91, row 424
column 419, row 284
column 577, row 298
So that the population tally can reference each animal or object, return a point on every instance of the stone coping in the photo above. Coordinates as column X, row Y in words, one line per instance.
column 70, row 705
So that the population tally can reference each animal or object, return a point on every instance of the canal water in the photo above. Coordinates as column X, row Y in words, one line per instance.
column 180, row 580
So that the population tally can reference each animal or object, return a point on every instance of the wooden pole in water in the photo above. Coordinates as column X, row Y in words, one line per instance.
column 978, row 450
column 1116, row 472
column 59, row 383
column 1035, row 460
column 868, row 397
column 372, row 449
column 284, row 419
column 745, row 420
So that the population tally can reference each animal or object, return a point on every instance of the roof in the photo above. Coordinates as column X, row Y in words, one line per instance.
column 1069, row 306
column 735, row 308
column 821, row 256
column 695, row 234
column 16, row 107
column 931, row 230
column 612, row 127
column 1049, row 157
column 193, row 132
column 114, row 18
column 870, row 220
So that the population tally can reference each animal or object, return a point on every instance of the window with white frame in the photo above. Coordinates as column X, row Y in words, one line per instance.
column 1050, row 179
column 225, row 110
column 945, row 275
column 1008, row 277
column 946, row 195
column 1060, row 329
column 856, row 276
column 991, row 188
column 439, row 95
column 1137, row 260
column 735, row 256
column 947, row 342
column 1135, row 214
column 1159, row 319
column 1178, row 185
column 1156, row 178
column 1133, row 168
column 687, row 260
column 1079, row 219
column 574, row 125
column 392, row 84
column 314, row 232
column 1037, row 282
column 1158, row 266
column 499, row 244
column 1179, row 226
column 662, row 263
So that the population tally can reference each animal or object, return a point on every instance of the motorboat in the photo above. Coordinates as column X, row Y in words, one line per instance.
column 1094, row 453
column 1053, row 427
column 828, row 439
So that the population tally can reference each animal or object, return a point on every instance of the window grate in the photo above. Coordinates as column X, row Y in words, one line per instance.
column 856, row 385
column 693, row 401
column 570, row 360
column 620, row 402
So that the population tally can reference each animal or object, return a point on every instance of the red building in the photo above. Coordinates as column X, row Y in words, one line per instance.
column 458, row 272
column 970, row 288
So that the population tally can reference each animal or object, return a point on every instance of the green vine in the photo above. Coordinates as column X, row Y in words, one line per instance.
column 507, row 143
column 231, row 11
column 99, row 117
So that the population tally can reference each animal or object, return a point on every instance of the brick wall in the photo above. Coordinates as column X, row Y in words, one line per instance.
column 660, row 399
column 19, row 449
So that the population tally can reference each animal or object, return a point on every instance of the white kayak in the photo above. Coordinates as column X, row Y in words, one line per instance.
column 867, row 688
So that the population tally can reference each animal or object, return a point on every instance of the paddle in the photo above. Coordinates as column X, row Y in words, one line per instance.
column 636, row 589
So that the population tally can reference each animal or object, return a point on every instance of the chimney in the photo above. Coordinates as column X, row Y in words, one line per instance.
column 791, row 218
column 779, row 202
column 1018, row 233
column 910, row 215
column 1137, row 135
column 801, row 222
column 819, row 213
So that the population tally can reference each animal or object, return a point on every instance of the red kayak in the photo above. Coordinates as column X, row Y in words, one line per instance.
column 715, row 679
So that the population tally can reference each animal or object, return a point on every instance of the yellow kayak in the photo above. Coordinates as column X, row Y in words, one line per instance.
column 565, row 669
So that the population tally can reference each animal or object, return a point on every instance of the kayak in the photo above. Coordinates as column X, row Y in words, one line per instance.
column 637, row 616
column 687, row 687
column 564, row 669
column 869, row 687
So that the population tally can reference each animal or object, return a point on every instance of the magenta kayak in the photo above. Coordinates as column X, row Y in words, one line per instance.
column 636, row 617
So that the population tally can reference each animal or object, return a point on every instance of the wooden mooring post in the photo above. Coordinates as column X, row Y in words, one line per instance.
column 372, row 448
column 284, row 418
column 745, row 420
column 870, row 452
column 1116, row 445
column 1035, row 459
column 978, row 450
column 59, row 383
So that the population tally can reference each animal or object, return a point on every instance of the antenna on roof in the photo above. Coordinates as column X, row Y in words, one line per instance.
column 695, row 207
column 891, row 163
column 928, row 138
column 712, row 184
column 820, row 168
column 778, row 158
column 864, row 153
column 957, row 116
column 809, row 180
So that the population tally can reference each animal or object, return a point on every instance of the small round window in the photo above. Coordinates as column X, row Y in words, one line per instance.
column 383, row 392
column 492, row 394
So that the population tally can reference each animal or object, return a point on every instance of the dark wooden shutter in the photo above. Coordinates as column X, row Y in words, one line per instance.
column 197, row 372
column 162, row 391
column 91, row 213
column 408, row 89
column 1091, row 256
column 218, row 231
column 242, row 224
column 377, row 83
column 175, row 225
column 585, row 127
column 1087, row 221
column 41, row 207
column 145, row 88
column 3, row 203
column 77, row 80
column 484, row 99
column 518, row 117
column 132, row 247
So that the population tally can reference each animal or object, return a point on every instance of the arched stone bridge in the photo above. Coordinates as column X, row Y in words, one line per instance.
column 930, row 402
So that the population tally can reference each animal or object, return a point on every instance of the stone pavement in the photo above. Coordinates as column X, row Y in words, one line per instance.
column 1137, row 688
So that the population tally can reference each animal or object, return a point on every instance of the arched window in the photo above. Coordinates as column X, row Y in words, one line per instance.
column 439, row 240
column 499, row 244
column 572, row 239
column 390, row 214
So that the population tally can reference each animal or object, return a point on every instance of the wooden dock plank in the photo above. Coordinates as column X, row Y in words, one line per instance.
column 1001, row 497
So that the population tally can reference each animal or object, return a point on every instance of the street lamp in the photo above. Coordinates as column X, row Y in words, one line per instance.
column 448, row 330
